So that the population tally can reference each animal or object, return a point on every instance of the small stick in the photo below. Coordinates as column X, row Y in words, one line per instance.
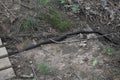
column 25, row 6
column 33, row 71
column 7, row 8
column 78, row 76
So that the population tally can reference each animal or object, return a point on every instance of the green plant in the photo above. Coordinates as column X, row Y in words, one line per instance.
column 44, row 2
column 53, row 16
column 43, row 68
column 95, row 62
column 27, row 24
column 75, row 8
column 57, row 20
column 62, row 1
column 109, row 51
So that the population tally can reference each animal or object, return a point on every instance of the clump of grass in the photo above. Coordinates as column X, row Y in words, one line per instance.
column 53, row 16
column 94, row 63
column 75, row 8
column 62, row 1
column 109, row 51
column 57, row 20
column 27, row 24
column 43, row 68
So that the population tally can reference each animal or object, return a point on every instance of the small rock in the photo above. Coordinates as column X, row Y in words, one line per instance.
column 81, row 36
column 81, row 62
column 83, row 43
column 87, row 8
column 30, row 62
column 34, row 42
column 18, row 66
column 90, row 36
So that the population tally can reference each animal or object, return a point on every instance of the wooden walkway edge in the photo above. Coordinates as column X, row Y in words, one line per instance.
column 6, row 70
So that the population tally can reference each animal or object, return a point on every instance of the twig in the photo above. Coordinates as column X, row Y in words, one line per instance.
column 7, row 8
column 34, row 71
column 108, row 34
column 78, row 76
column 25, row 6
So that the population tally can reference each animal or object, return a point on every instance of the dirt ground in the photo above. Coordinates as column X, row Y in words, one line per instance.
column 79, row 57
column 69, row 61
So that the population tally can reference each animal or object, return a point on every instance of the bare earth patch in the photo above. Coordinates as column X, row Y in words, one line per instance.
column 69, row 61
column 79, row 57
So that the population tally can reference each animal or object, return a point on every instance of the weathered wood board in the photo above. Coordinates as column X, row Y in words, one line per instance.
column 6, row 74
column 3, row 52
column 5, row 63
column 6, row 70
column 0, row 42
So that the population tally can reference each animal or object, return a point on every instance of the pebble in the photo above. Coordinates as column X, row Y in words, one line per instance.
column 30, row 62
column 18, row 66
column 90, row 36
column 83, row 43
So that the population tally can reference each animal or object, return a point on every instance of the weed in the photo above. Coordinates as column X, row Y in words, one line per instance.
column 94, row 62
column 62, row 1
column 75, row 8
column 44, row 69
column 27, row 24
column 57, row 20
column 53, row 16
column 109, row 51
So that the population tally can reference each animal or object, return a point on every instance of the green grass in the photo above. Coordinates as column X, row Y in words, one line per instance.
column 57, row 20
column 27, row 24
column 109, row 51
column 53, row 16
column 62, row 1
column 94, row 63
column 75, row 8
column 44, row 69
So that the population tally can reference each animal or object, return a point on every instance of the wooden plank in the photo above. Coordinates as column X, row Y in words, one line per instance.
column 7, row 74
column 5, row 63
column 0, row 42
column 3, row 52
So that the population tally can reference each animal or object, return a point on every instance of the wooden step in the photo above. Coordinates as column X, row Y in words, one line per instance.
column 3, row 52
column 7, row 74
column 0, row 42
column 6, row 70
column 5, row 63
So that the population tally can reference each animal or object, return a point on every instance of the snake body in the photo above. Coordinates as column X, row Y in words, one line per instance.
column 61, row 38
